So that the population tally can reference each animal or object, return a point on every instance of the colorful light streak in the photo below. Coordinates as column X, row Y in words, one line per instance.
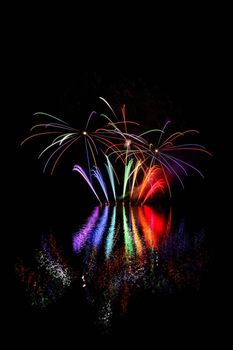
column 127, row 176
column 84, row 175
column 110, row 171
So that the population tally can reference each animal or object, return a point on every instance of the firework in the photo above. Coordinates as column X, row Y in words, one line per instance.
column 111, row 150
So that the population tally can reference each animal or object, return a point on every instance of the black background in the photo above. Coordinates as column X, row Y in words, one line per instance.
column 186, row 84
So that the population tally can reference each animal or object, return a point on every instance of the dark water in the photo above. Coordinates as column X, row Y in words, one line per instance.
column 112, row 268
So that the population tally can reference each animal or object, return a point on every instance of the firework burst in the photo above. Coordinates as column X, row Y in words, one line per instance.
column 117, row 160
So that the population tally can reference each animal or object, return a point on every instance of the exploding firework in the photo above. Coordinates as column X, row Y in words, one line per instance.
column 120, row 165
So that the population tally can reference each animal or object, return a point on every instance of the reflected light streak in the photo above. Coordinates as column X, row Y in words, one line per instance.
column 157, row 221
column 100, row 229
column 111, row 231
column 153, row 224
column 80, row 237
column 129, row 250
column 136, row 236
column 146, row 229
